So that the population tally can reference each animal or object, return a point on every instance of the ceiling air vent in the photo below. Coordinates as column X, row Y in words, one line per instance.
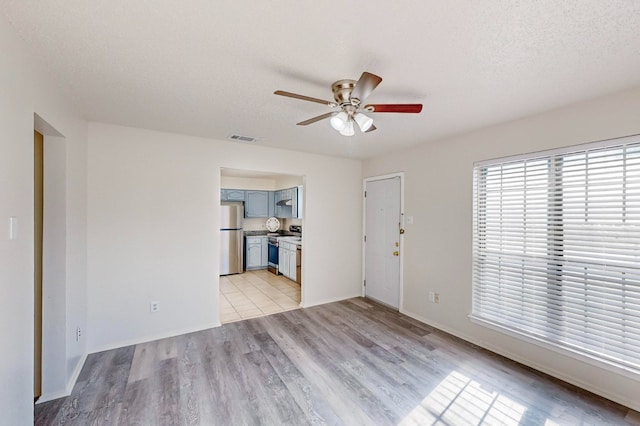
column 241, row 138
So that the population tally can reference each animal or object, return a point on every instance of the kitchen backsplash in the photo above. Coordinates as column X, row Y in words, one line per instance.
column 288, row 222
column 255, row 224
column 260, row 224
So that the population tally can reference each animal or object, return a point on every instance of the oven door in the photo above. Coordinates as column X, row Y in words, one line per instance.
column 273, row 258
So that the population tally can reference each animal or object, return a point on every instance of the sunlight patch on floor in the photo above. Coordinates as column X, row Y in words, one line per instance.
column 459, row 400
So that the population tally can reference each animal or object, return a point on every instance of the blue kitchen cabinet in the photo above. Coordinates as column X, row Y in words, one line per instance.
column 272, row 203
column 232, row 194
column 256, row 204
column 265, row 252
column 256, row 252
column 286, row 201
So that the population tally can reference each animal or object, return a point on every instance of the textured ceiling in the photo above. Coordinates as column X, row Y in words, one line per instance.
column 209, row 68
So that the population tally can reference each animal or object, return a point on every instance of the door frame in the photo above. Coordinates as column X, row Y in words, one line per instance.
column 57, row 344
column 38, row 231
column 401, row 236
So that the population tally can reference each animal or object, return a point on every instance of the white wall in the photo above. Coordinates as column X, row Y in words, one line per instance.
column 153, row 229
column 437, row 246
column 284, row 182
column 26, row 89
column 266, row 184
column 259, row 184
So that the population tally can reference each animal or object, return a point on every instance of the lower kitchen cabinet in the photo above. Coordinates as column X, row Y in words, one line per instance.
column 291, row 273
column 265, row 252
column 283, row 260
column 287, row 260
column 256, row 252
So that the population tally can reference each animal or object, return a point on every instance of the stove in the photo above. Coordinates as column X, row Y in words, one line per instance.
column 272, row 241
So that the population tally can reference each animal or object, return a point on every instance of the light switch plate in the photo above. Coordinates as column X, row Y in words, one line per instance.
column 13, row 228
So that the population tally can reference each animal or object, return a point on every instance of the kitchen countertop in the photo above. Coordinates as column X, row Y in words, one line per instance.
column 285, row 236
column 265, row 233
column 255, row 233
column 293, row 239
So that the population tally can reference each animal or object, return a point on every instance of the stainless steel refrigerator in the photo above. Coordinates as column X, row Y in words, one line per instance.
column 231, row 238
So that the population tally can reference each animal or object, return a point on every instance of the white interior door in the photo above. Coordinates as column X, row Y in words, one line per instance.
column 382, row 243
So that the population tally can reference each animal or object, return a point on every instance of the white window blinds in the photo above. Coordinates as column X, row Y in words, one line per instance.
column 556, row 248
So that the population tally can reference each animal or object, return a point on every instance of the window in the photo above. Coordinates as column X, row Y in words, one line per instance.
column 556, row 248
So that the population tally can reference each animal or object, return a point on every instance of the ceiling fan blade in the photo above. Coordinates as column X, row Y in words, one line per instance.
column 371, row 129
column 318, row 118
column 365, row 85
column 303, row 97
column 410, row 108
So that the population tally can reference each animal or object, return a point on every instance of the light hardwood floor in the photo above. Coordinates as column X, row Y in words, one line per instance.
column 347, row 363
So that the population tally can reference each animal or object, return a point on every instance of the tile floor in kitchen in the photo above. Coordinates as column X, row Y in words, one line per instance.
column 255, row 294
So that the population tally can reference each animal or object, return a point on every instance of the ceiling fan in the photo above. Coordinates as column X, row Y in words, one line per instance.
column 349, row 96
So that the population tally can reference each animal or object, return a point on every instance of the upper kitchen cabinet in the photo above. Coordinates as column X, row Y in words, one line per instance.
column 283, row 203
column 272, row 203
column 232, row 195
column 256, row 204
column 288, row 203
column 297, row 211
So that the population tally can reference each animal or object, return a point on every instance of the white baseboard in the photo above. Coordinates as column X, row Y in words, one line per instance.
column 626, row 400
column 70, row 384
column 52, row 396
column 332, row 300
column 76, row 372
column 151, row 338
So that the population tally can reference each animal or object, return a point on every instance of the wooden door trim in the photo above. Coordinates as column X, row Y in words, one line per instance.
column 38, row 230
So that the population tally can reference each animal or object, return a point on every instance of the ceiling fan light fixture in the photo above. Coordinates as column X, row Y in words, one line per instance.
column 349, row 96
column 348, row 129
column 363, row 121
column 339, row 121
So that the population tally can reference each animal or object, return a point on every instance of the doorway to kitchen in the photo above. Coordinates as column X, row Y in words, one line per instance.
column 382, row 240
column 271, row 207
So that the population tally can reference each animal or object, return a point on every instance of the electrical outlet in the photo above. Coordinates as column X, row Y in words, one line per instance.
column 154, row 307
column 432, row 296
column 78, row 334
column 436, row 298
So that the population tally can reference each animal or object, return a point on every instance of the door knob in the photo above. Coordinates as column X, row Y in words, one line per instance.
column 396, row 253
